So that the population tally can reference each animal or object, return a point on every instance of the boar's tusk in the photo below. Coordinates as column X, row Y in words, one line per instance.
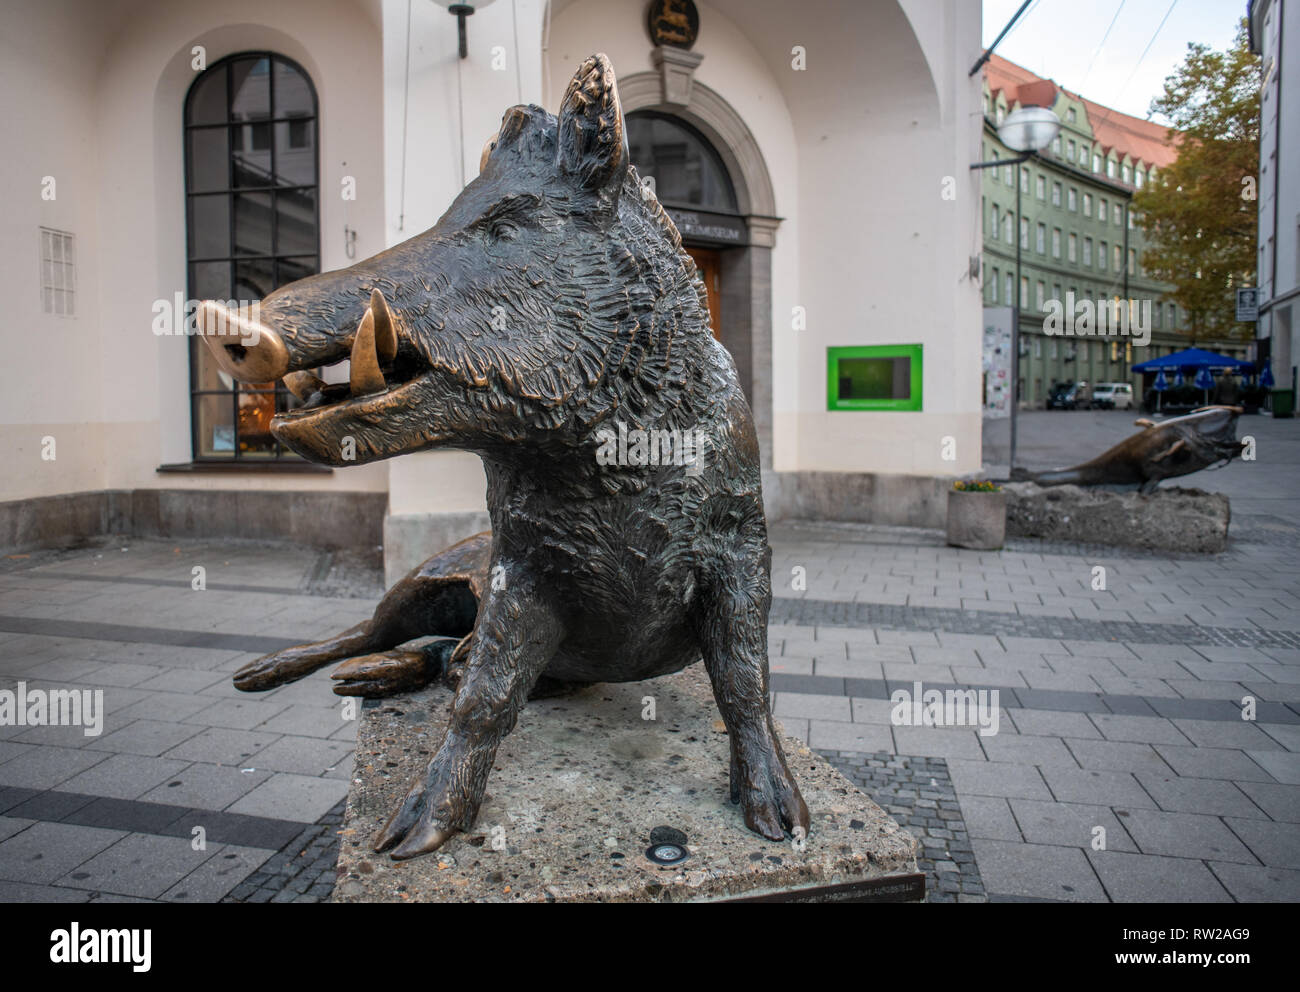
column 487, row 151
column 303, row 384
column 385, row 329
column 365, row 376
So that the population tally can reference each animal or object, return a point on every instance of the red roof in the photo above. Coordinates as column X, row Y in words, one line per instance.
column 1127, row 135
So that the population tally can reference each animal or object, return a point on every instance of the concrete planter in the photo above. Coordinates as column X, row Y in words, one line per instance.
column 977, row 520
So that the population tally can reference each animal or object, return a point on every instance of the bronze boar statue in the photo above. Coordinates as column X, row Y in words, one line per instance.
column 1171, row 448
column 550, row 315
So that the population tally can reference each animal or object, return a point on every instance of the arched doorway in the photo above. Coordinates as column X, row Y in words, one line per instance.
column 692, row 183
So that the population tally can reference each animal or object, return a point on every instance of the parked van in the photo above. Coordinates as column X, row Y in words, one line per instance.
column 1112, row 396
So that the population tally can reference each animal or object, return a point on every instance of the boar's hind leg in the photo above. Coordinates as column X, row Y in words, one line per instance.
column 515, row 637
column 732, row 626
column 418, row 606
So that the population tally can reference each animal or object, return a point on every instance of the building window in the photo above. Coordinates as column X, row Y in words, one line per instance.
column 1008, row 176
column 1087, row 204
column 1127, row 174
column 1173, row 315
column 1132, row 262
column 1038, row 346
column 1056, row 292
column 1101, row 209
column 1008, row 290
column 994, row 285
column 1101, row 256
column 1041, row 295
column 1056, row 144
column 1156, row 313
column 1024, row 180
column 1042, row 187
column 1024, row 234
column 1096, row 162
column 1056, row 242
column 1069, row 148
column 1087, row 251
column 1042, row 239
column 1051, row 349
column 688, row 172
column 1008, row 220
column 1072, row 248
column 1056, row 194
column 1072, row 115
column 58, row 273
column 874, row 377
column 1138, row 179
column 1117, row 257
column 993, row 158
column 1072, row 199
column 1024, row 291
column 253, row 222
column 1116, row 211
column 1110, row 168
column 1083, row 155
column 995, row 229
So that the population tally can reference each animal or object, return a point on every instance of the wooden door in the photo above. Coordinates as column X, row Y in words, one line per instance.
column 708, row 262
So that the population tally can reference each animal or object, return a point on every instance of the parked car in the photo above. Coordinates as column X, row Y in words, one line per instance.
column 1068, row 396
column 1112, row 396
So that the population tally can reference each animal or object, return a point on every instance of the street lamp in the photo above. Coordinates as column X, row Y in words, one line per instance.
column 460, row 11
column 1027, row 130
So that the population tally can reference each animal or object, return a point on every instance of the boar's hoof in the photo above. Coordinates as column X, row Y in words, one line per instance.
column 389, row 672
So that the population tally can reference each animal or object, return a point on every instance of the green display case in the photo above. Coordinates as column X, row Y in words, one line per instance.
column 874, row 377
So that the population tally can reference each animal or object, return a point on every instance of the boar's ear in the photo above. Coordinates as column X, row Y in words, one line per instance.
column 592, row 142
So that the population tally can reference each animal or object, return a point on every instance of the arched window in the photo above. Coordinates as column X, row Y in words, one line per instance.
column 687, row 171
column 253, row 223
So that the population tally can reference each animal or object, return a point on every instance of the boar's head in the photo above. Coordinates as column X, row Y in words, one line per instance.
column 551, row 294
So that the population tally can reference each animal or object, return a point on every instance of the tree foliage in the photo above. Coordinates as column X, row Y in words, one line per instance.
column 1200, row 215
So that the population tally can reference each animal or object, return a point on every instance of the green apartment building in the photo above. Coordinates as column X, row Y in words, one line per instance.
column 1078, row 238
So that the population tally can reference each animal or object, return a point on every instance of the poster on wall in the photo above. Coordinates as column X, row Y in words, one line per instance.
column 997, row 362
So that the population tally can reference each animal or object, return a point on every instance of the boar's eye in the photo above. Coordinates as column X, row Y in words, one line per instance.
column 503, row 229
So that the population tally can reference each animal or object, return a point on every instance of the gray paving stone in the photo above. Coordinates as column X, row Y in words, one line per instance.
column 1280, row 802
column 1249, row 883
column 1187, row 835
column 1037, row 871
column 304, row 756
column 144, row 737
column 222, row 746
column 48, row 766
column 1288, row 735
column 14, row 892
column 292, row 797
column 833, row 735
column 227, row 867
column 1097, row 788
column 1199, row 795
column 1152, row 879
column 1277, row 845
column 46, row 851
column 1070, row 825
column 990, row 817
column 1051, row 723
column 1216, row 762
column 1115, row 756
column 205, row 786
column 1221, row 733
column 938, row 742
column 1281, row 765
column 1138, row 729
column 986, row 778
column 140, row 865
column 124, row 776
column 1028, row 750
column 813, row 707
column 10, row 825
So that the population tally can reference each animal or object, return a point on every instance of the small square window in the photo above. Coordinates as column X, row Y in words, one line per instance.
column 874, row 377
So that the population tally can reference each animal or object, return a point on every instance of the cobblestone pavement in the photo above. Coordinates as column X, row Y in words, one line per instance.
column 1121, row 768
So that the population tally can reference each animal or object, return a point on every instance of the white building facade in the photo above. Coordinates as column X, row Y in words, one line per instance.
column 815, row 159
column 1275, row 36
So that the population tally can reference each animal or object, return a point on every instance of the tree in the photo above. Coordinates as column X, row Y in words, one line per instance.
column 1200, row 215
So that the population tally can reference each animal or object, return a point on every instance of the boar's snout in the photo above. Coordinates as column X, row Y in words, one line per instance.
column 248, row 350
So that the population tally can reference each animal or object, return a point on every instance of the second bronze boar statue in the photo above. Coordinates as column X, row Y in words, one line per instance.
column 549, row 315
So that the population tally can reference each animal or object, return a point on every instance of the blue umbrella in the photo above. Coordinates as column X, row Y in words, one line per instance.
column 1266, row 377
column 1178, row 378
column 1160, row 385
column 1204, row 381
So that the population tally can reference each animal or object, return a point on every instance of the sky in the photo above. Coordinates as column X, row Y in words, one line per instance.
column 1060, row 39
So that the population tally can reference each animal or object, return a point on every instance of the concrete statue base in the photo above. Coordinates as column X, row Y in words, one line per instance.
column 579, row 787
column 1166, row 520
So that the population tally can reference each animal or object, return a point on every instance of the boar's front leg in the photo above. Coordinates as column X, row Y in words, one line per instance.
column 514, row 639
column 732, row 625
